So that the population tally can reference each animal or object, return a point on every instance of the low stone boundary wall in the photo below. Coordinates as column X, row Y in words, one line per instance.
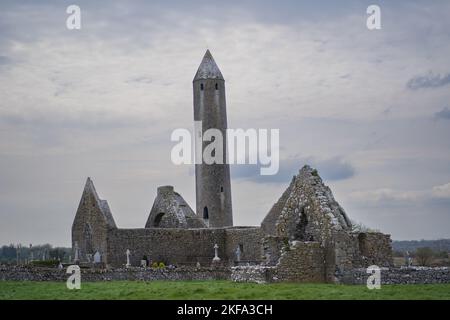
column 258, row 274
column 26, row 273
column 411, row 275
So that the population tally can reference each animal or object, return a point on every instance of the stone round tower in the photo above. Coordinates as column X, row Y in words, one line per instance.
column 213, row 188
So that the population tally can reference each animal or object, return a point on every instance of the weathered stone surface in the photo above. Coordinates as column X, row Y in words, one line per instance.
column 92, row 223
column 212, row 181
column 301, row 262
column 307, row 211
column 258, row 274
column 183, row 246
column 412, row 275
column 170, row 210
column 26, row 273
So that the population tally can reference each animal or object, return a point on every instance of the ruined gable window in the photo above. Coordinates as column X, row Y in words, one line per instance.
column 158, row 219
column 217, row 86
column 221, row 188
column 201, row 86
column 300, row 228
column 205, row 213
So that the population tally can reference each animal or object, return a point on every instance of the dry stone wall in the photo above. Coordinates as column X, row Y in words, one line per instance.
column 26, row 273
column 412, row 275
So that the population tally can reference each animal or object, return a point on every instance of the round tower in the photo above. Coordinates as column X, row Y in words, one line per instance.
column 213, row 187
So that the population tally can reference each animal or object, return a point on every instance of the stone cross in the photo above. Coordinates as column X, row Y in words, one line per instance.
column 97, row 257
column 216, row 253
column 238, row 254
column 128, row 258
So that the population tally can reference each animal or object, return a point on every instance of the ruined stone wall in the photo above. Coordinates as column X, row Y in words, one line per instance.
column 249, row 239
column 258, row 274
column 91, row 225
column 375, row 248
column 27, row 273
column 346, row 250
column 270, row 221
column 307, row 210
column 303, row 262
column 171, row 246
column 412, row 275
column 184, row 246
column 170, row 210
column 272, row 248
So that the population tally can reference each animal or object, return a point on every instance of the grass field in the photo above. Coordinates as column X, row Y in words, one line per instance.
column 215, row 290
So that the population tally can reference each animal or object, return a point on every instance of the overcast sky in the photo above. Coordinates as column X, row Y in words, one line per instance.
column 369, row 109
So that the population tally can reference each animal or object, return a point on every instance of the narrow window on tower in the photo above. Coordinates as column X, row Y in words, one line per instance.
column 201, row 86
column 217, row 86
column 205, row 213
column 221, row 189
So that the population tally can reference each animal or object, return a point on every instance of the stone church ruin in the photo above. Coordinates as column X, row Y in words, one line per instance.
column 306, row 236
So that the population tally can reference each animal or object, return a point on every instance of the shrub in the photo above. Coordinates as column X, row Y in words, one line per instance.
column 424, row 256
column 162, row 265
column 155, row 265
column 45, row 263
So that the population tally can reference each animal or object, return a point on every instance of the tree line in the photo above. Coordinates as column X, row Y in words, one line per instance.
column 18, row 253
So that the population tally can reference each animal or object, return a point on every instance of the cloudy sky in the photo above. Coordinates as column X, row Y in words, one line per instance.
column 369, row 109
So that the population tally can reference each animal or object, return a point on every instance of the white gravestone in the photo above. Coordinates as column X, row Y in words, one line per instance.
column 238, row 254
column 128, row 258
column 216, row 253
column 97, row 257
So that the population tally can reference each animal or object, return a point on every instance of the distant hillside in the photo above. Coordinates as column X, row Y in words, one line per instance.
column 412, row 245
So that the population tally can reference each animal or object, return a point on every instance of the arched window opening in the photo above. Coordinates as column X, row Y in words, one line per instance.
column 158, row 219
column 221, row 188
column 205, row 213
column 301, row 228
column 217, row 86
column 87, row 238
column 201, row 86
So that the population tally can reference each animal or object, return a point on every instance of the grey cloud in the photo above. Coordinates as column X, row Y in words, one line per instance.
column 141, row 79
column 329, row 169
column 88, row 120
column 428, row 81
column 443, row 114
column 5, row 60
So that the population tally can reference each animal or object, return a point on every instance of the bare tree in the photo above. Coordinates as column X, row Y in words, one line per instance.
column 424, row 256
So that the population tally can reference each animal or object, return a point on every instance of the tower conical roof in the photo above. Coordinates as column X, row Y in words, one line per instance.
column 208, row 68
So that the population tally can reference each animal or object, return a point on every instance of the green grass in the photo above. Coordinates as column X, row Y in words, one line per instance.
column 215, row 290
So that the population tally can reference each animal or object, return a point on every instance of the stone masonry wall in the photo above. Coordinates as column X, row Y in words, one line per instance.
column 171, row 246
column 184, row 246
column 26, row 273
column 375, row 249
column 413, row 275
column 303, row 262
column 91, row 225
column 250, row 241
